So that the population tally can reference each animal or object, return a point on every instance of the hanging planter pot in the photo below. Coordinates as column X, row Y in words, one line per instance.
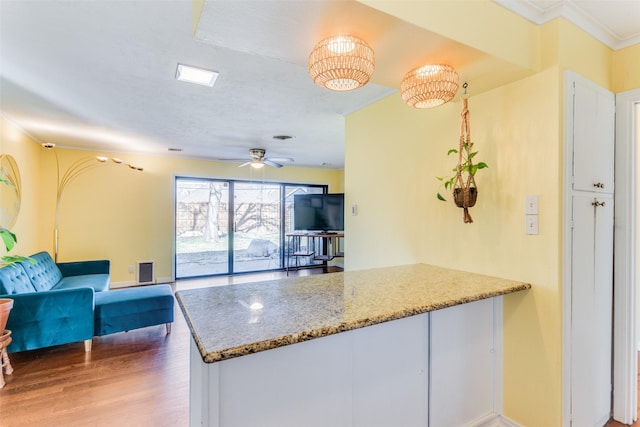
column 458, row 197
column 6, row 305
column 463, row 184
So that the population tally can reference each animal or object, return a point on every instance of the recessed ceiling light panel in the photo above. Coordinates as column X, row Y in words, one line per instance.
column 199, row 76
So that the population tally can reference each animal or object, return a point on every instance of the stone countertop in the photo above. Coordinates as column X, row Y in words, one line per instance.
column 227, row 321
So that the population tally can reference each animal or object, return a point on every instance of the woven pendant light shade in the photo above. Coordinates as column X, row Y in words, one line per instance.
column 341, row 63
column 429, row 86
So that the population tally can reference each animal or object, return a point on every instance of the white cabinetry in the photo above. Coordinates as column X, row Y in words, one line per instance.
column 376, row 376
column 464, row 370
column 593, row 138
column 434, row 369
column 592, row 299
column 589, row 261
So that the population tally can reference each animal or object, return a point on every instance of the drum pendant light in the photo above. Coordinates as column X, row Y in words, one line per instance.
column 341, row 63
column 429, row 86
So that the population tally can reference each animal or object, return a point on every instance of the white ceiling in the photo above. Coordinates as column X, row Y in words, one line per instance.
column 100, row 74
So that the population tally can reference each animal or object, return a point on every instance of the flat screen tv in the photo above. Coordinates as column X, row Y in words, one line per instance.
column 318, row 212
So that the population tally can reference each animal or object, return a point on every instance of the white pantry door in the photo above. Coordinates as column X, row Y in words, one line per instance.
column 590, row 119
column 591, row 314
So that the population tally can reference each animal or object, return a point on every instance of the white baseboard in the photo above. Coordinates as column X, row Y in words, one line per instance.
column 508, row 422
column 117, row 285
column 493, row 420
column 130, row 283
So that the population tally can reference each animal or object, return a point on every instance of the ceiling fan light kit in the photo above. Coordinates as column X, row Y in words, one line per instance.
column 341, row 63
column 258, row 159
column 429, row 86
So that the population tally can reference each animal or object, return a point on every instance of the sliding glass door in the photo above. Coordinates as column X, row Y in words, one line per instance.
column 201, row 227
column 226, row 226
column 257, row 236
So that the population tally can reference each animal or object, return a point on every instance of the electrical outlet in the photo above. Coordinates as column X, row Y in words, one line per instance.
column 131, row 269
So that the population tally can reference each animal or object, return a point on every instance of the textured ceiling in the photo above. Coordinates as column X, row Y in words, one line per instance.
column 100, row 74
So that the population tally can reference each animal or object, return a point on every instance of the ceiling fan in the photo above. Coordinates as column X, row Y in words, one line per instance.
column 258, row 159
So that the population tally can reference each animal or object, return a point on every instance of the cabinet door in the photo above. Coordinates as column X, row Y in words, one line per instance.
column 593, row 137
column 591, row 310
column 463, row 375
column 391, row 373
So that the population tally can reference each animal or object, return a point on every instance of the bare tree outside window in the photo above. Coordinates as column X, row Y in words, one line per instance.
column 212, row 225
column 206, row 243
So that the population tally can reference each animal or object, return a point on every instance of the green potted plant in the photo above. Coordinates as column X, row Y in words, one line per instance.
column 462, row 183
column 468, row 170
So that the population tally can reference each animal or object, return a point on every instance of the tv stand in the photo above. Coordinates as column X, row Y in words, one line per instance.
column 318, row 246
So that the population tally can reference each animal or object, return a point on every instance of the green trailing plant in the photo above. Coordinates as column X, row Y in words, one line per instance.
column 463, row 183
column 467, row 168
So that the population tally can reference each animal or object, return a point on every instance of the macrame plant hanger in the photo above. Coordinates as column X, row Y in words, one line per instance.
column 465, row 191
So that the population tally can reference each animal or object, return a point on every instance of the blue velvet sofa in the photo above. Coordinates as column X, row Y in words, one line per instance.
column 53, row 303
column 60, row 303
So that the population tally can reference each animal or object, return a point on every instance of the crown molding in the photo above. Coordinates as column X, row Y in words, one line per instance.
column 573, row 13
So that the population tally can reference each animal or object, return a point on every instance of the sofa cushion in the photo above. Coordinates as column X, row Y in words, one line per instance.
column 127, row 309
column 14, row 280
column 80, row 268
column 43, row 319
column 44, row 274
column 99, row 282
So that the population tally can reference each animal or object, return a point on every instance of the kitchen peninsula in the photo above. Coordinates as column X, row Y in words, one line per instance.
column 408, row 345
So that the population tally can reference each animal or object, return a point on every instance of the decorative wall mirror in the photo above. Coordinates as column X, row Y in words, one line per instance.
column 10, row 191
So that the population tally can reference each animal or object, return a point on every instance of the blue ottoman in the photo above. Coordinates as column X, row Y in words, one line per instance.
column 126, row 309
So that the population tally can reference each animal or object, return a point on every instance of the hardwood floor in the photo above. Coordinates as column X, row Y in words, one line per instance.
column 137, row 378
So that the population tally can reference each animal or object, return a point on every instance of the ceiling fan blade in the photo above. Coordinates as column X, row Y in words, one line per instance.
column 270, row 163
column 281, row 159
column 244, row 164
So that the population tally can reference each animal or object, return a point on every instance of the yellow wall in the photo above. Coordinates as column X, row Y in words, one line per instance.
column 393, row 154
column 467, row 21
column 565, row 45
column 626, row 69
column 516, row 128
column 113, row 212
column 126, row 216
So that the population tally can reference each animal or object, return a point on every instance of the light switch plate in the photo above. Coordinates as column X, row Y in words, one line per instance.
column 531, row 205
column 531, row 224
